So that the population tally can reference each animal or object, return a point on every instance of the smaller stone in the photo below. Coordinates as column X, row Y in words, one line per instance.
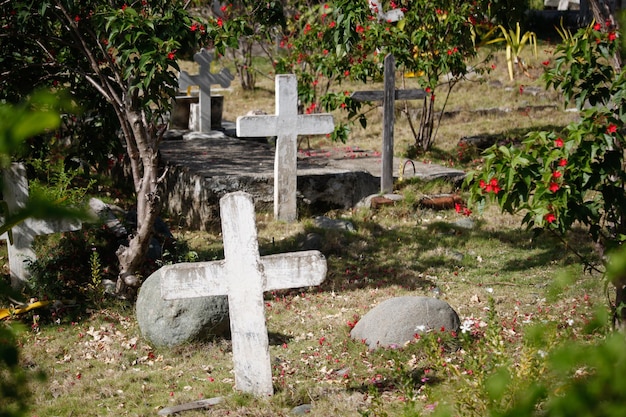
column 312, row 241
column 374, row 201
column 324, row 222
column 395, row 321
column 301, row 409
column 464, row 223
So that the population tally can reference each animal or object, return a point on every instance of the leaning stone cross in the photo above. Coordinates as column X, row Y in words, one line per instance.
column 286, row 125
column 204, row 79
column 244, row 275
column 20, row 247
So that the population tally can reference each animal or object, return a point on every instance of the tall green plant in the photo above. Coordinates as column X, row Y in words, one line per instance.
column 516, row 42
column 577, row 176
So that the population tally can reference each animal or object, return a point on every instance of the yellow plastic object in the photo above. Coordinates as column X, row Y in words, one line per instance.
column 8, row 312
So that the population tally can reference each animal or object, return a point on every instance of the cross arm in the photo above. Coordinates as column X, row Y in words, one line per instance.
column 204, row 279
column 257, row 126
column 315, row 124
column 373, row 95
column 294, row 270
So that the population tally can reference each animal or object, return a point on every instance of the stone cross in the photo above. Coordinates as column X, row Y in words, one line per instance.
column 392, row 15
column 204, row 79
column 20, row 247
column 244, row 275
column 286, row 125
column 388, row 96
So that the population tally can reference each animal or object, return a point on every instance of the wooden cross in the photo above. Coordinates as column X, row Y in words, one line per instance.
column 244, row 275
column 20, row 247
column 204, row 79
column 286, row 125
column 388, row 96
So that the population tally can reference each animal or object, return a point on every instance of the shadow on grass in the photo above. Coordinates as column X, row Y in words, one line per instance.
column 409, row 256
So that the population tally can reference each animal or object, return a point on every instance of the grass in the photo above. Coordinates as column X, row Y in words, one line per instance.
column 500, row 279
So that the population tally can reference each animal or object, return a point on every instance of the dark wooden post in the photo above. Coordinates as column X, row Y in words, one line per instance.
column 389, row 101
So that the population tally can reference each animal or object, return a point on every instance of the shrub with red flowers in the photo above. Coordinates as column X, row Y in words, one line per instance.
column 577, row 176
column 348, row 40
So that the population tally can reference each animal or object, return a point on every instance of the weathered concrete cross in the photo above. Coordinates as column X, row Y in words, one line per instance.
column 20, row 250
column 204, row 79
column 286, row 125
column 243, row 275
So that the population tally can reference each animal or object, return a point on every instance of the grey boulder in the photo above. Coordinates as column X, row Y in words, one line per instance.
column 395, row 322
column 173, row 322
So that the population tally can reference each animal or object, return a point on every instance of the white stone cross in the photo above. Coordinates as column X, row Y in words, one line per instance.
column 286, row 125
column 20, row 250
column 204, row 79
column 392, row 15
column 244, row 275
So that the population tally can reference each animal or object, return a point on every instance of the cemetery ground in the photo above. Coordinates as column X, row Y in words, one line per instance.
column 518, row 297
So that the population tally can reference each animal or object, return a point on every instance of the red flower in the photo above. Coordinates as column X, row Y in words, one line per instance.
column 558, row 143
column 360, row 29
column 521, row 89
column 550, row 218
column 482, row 184
column 556, row 174
column 611, row 129
column 325, row 51
column 493, row 66
column 597, row 26
column 612, row 36
column 307, row 28
column 332, row 25
column 554, row 187
column 194, row 27
column 492, row 186
column 428, row 90
column 224, row 8
column 546, row 62
column 220, row 22
column 77, row 18
column 562, row 162
column 172, row 54
column 346, row 73
column 457, row 207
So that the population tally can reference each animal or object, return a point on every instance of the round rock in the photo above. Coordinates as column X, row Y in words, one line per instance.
column 173, row 322
column 396, row 321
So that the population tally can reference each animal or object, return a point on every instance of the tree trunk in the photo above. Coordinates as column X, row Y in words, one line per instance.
column 424, row 137
column 619, row 318
column 145, row 171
